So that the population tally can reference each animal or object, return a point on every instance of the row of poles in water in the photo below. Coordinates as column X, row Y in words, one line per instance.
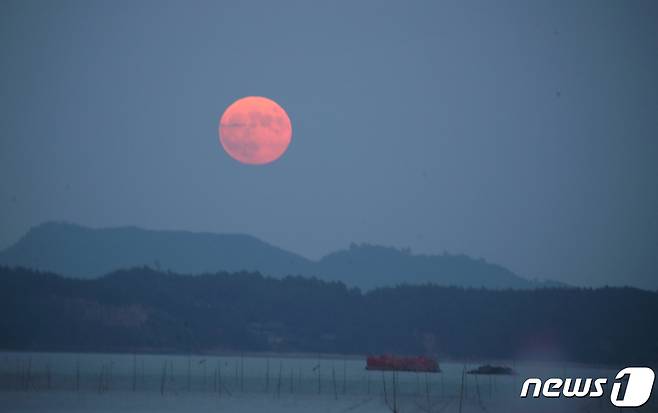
column 27, row 378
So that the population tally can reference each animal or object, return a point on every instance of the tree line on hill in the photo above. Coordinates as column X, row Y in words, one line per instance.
column 142, row 309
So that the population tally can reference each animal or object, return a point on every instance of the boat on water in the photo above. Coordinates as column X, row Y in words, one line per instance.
column 493, row 370
column 398, row 363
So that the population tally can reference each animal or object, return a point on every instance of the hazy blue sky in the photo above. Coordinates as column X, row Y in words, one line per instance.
column 522, row 132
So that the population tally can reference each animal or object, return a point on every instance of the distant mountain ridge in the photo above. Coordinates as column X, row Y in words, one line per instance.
column 82, row 252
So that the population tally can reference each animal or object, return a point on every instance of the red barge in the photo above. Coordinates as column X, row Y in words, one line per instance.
column 397, row 363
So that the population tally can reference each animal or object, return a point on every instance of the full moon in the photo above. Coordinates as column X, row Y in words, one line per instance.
column 255, row 130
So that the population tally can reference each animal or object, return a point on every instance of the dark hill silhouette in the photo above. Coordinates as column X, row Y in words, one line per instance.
column 82, row 252
column 143, row 310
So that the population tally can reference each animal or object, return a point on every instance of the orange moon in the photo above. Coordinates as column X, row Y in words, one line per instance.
column 255, row 130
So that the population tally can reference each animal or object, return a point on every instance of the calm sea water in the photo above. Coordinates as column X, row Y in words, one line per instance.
column 66, row 382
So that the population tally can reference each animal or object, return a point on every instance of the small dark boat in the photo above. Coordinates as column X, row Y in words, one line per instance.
column 397, row 363
column 493, row 370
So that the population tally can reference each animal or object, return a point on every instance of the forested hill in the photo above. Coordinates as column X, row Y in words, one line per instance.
column 77, row 251
column 145, row 310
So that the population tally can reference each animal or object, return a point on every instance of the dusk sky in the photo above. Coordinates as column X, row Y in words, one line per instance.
column 525, row 133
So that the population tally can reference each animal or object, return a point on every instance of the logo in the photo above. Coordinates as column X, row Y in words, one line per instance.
column 631, row 388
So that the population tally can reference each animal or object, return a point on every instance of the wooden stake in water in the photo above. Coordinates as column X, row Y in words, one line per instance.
column 278, row 384
column 395, row 392
column 222, row 387
column 461, row 390
column 465, row 380
column 333, row 377
column 205, row 374
column 442, row 385
column 101, row 379
column 189, row 372
column 477, row 390
column 134, row 387
column 77, row 374
column 267, row 375
column 110, row 375
column 28, row 374
column 214, row 378
column 427, row 391
column 241, row 372
column 219, row 378
column 163, row 378
column 172, row 378
column 344, row 376
column 490, row 389
column 319, row 377
column 50, row 383
column 17, row 374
